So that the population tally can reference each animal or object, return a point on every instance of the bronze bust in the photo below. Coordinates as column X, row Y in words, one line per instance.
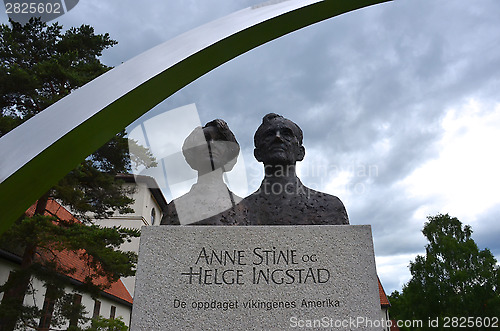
column 282, row 199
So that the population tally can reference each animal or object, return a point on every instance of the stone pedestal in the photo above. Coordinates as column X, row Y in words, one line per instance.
column 256, row 278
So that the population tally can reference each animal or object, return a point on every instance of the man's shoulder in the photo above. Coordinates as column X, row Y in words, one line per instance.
column 329, row 208
column 313, row 194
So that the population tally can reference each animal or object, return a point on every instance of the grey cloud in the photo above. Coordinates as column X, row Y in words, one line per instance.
column 486, row 230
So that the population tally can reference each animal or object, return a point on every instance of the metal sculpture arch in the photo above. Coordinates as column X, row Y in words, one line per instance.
column 38, row 153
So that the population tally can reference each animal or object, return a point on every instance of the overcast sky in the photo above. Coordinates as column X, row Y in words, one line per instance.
column 399, row 104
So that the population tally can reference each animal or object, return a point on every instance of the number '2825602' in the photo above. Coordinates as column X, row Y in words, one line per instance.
column 22, row 11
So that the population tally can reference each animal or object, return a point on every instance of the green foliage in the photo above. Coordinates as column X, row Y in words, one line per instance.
column 105, row 324
column 40, row 64
column 453, row 279
column 87, row 190
column 26, row 315
column 66, row 309
column 95, row 245
column 399, row 307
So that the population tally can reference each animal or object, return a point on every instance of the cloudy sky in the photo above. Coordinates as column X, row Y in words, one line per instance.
column 399, row 104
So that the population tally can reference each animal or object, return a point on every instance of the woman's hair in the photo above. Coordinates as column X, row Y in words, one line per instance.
column 193, row 140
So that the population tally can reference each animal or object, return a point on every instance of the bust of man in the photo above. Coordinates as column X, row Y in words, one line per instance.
column 282, row 199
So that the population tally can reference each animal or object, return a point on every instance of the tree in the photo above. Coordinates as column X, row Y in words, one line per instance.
column 105, row 324
column 453, row 279
column 40, row 65
column 98, row 247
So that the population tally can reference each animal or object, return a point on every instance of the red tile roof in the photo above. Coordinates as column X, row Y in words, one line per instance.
column 74, row 259
column 70, row 259
column 384, row 302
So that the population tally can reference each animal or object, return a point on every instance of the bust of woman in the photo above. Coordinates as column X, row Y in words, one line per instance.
column 211, row 150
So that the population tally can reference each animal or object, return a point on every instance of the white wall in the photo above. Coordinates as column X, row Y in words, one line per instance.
column 5, row 268
column 144, row 203
column 121, row 310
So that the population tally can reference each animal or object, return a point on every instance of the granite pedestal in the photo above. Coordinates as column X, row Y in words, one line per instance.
column 256, row 278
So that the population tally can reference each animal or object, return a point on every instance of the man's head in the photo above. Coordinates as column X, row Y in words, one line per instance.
column 211, row 147
column 278, row 141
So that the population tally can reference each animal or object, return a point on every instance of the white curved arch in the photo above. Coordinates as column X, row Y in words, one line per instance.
column 42, row 150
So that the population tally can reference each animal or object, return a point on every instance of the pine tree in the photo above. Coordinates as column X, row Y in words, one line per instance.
column 41, row 64
column 49, row 237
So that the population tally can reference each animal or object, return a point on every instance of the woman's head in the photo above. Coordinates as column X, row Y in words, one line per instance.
column 211, row 147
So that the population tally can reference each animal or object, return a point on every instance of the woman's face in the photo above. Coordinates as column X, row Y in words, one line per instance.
column 213, row 152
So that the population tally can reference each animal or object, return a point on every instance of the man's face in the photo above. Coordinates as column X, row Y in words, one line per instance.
column 279, row 144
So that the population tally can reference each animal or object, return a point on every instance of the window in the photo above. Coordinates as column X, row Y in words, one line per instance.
column 153, row 216
column 77, row 301
column 97, row 308
column 112, row 312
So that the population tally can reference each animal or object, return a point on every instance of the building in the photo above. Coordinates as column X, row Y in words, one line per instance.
column 117, row 300
column 384, row 305
column 114, row 302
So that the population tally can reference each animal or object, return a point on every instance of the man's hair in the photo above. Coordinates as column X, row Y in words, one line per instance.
column 267, row 120
column 223, row 129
